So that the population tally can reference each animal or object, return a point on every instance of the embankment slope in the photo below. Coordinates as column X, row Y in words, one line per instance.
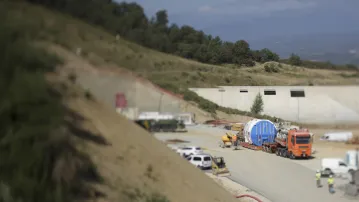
column 135, row 164
column 107, row 80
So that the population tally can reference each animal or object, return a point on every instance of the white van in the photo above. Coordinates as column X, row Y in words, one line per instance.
column 335, row 166
column 337, row 136
column 189, row 150
column 202, row 161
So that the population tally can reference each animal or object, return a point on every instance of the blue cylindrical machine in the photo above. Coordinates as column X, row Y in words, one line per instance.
column 259, row 131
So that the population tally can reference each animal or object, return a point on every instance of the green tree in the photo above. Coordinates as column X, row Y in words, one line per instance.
column 162, row 18
column 130, row 21
column 268, row 55
column 242, row 53
column 257, row 106
column 295, row 60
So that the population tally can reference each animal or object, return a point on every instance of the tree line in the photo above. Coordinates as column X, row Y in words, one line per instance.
column 130, row 22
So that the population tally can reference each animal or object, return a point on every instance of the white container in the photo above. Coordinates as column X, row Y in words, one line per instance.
column 247, row 130
column 156, row 116
column 352, row 158
column 259, row 131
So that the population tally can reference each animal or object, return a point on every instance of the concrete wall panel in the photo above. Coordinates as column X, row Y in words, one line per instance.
column 321, row 104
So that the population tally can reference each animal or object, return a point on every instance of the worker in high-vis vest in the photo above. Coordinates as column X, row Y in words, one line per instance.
column 235, row 140
column 317, row 177
column 331, row 184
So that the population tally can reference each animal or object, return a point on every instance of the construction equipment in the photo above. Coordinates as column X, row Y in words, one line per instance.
column 289, row 141
column 170, row 125
column 219, row 167
column 229, row 140
column 237, row 127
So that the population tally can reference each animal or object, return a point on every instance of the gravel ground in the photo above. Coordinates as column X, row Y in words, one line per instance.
column 276, row 178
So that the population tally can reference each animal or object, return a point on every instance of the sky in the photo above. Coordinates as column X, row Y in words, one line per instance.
column 259, row 19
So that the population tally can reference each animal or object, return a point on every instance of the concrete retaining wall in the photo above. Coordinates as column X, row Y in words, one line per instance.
column 321, row 104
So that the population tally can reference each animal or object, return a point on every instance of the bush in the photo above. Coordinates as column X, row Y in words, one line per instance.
column 271, row 68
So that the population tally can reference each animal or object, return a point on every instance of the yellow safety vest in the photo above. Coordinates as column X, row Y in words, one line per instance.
column 330, row 181
column 317, row 176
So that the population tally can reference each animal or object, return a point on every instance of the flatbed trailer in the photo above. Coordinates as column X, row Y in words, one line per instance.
column 279, row 147
column 250, row 146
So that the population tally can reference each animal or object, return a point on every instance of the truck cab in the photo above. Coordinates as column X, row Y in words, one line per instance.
column 299, row 143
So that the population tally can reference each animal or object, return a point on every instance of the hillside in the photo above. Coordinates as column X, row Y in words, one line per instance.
column 133, row 164
column 176, row 74
column 59, row 143
column 102, row 48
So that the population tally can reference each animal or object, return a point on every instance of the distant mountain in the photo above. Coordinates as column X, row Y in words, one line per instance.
column 338, row 48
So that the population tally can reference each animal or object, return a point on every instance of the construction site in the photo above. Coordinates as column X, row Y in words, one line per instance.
column 150, row 140
column 266, row 157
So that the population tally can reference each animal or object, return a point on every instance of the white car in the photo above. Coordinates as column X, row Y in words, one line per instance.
column 189, row 150
column 172, row 147
column 202, row 161
column 336, row 166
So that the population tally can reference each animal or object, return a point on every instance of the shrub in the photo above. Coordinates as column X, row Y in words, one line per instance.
column 257, row 106
column 271, row 68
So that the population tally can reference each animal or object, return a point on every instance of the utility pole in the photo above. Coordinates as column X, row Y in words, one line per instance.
column 298, row 110
column 221, row 90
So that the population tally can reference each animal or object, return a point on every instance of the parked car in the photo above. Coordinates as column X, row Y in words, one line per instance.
column 189, row 150
column 202, row 161
column 336, row 166
column 172, row 147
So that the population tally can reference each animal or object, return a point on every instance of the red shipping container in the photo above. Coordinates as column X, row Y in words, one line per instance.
column 121, row 101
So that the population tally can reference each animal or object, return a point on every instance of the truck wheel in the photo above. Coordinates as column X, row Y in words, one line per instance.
column 328, row 172
column 291, row 156
column 280, row 153
column 285, row 154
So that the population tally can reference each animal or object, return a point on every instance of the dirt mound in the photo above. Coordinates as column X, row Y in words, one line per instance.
column 135, row 164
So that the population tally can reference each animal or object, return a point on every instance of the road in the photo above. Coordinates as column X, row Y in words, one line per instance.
column 278, row 179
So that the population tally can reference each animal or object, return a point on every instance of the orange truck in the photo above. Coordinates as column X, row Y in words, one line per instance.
column 293, row 143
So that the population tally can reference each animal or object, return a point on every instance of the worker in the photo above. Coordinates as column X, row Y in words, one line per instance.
column 317, row 177
column 234, row 140
column 331, row 184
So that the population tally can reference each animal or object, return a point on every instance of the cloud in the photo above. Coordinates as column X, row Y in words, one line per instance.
column 205, row 9
column 352, row 51
column 257, row 7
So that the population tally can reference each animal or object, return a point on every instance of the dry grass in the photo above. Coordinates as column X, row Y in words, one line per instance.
column 101, row 48
column 134, row 165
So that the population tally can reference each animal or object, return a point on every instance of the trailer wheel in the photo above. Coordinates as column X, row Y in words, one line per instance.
column 285, row 153
column 277, row 152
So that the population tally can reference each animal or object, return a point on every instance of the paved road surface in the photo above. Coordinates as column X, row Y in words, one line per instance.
column 276, row 178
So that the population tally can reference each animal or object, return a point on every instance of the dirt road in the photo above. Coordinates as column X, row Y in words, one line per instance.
column 276, row 178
